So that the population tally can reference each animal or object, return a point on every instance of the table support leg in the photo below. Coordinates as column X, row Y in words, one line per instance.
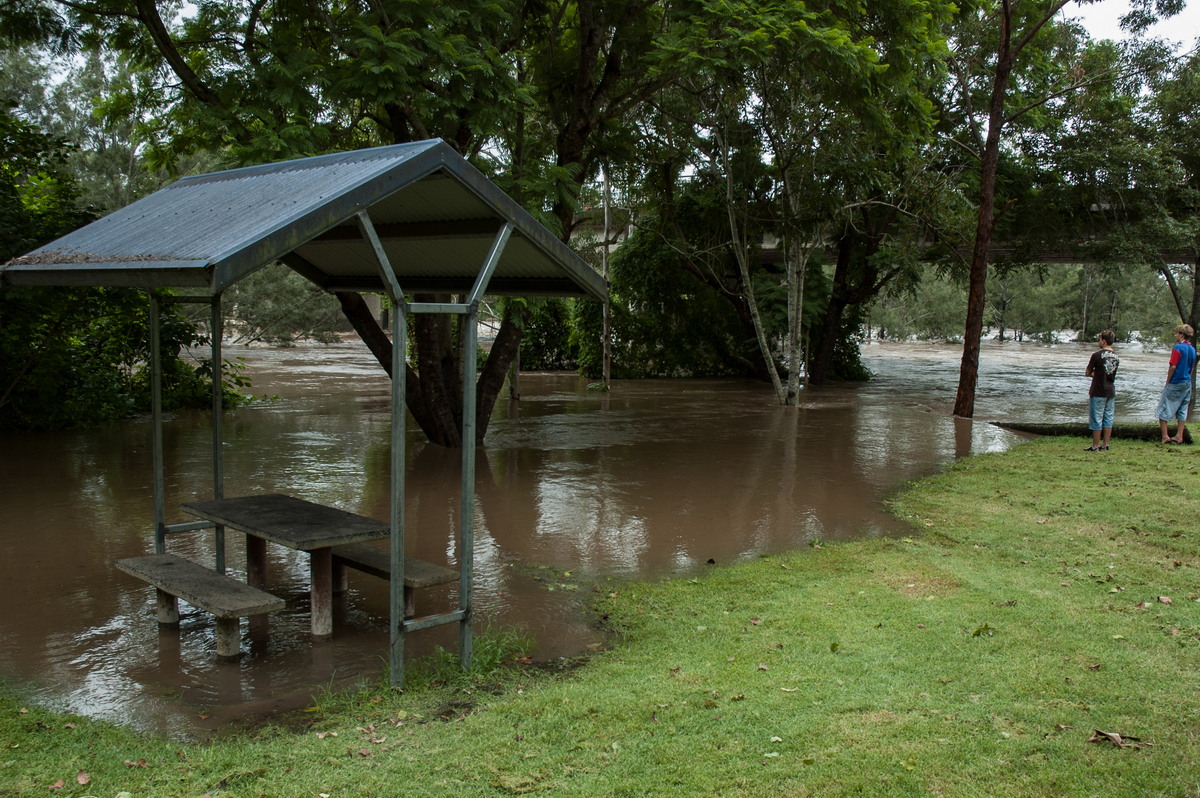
column 340, row 582
column 229, row 637
column 321, row 564
column 167, row 608
column 256, row 562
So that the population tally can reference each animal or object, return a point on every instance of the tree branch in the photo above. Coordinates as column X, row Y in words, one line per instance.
column 148, row 14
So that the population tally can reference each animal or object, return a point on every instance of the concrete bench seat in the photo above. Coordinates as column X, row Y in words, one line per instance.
column 377, row 561
column 223, row 596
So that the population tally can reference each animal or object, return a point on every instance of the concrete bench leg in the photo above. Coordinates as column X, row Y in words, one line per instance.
column 256, row 562
column 321, row 576
column 228, row 638
column 167, row 608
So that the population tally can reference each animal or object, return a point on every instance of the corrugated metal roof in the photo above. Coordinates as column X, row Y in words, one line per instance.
column 436, row 215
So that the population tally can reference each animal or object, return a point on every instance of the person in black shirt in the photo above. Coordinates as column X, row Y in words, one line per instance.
column 1102, row 396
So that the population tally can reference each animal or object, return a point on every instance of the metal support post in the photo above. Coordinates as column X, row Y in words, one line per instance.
column 216, row 326
column 396, row 518
column 466, row 537
column 160, row 504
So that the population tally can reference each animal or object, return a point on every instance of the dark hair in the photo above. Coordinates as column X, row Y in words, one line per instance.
column 1108, row 337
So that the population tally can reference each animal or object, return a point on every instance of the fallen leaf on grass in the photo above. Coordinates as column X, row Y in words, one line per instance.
column 1116, row 739
column 1095, row 667
column 1164, row 599
column 82, row 777
column 141, row 763
column 58, row 785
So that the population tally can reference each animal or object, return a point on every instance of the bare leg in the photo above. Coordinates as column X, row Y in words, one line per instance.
column 1095, row 439
column 1179, row 431
column 1107, row 436
column 1162, row 425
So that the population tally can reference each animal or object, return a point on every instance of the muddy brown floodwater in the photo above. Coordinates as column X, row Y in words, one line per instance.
column 575, row 488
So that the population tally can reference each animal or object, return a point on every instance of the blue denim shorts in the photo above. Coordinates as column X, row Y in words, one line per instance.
column 1100, row 412
column 1174, row 401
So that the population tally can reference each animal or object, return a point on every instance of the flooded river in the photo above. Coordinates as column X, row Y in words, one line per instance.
column 656, row 478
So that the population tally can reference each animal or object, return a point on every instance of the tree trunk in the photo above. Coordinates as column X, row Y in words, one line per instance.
column 505, row 351
column 438, row 409
column 968, row 375
column 439, row 364
column 833, row 313
column 364, row 323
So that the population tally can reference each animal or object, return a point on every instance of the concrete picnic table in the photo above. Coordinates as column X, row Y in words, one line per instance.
column 296, row 524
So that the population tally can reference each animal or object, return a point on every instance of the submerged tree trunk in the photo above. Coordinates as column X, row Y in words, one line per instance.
column 968, row 374
column 741, row 251
column 823, row 357
column 797, row 262
column 433, row 394
column 1007, row 52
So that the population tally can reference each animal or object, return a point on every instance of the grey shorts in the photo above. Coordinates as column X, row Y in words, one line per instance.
column 1174, row 401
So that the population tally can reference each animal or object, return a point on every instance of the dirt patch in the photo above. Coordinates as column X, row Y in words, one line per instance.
column 921, row 585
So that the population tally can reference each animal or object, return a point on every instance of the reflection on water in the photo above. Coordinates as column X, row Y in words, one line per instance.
column 574, row 487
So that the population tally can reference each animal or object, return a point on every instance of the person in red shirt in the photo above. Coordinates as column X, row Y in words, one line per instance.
column 1178, row 390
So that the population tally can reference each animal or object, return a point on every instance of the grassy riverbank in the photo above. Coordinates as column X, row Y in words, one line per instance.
column 1037, row 634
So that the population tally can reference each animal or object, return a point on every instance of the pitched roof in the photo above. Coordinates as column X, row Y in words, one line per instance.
column 436, row 215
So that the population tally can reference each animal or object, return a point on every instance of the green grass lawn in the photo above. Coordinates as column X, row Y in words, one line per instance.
column 1037, row 634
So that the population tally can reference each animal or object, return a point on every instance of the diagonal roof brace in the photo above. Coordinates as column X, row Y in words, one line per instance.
column 390, row 281
column 489, row 265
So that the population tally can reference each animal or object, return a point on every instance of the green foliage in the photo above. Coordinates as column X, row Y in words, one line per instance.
column 930, row 310
column 1025, row 302
column 73, row 357
column 77, row 357
column 278, row 306
column 546, row 343
column 37, row 195
column 665, row 320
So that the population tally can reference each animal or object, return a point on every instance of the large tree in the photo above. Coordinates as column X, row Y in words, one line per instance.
column 805, row 115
